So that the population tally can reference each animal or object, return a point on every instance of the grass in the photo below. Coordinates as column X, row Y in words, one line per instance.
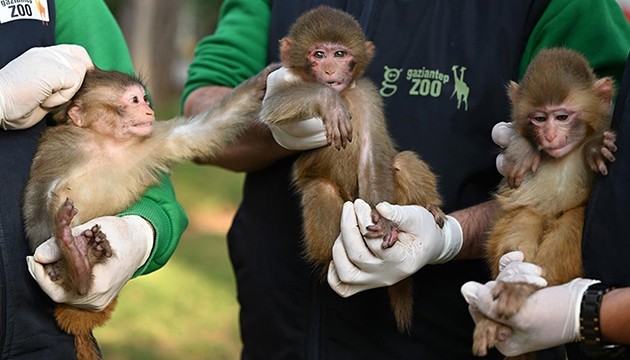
column 187, row 309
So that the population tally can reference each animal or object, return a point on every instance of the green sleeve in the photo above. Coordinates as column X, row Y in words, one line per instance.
column 90, row 23
column 596, row 28
column 236, row 51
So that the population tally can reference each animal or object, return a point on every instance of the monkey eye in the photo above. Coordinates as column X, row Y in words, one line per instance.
column 539, row 118
column 562, row 117
column 340, row 53
column 319, row 54
column 146, row 100
column 135, row 100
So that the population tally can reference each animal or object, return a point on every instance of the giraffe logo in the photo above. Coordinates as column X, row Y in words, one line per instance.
column 390, row 76
column 461, row 88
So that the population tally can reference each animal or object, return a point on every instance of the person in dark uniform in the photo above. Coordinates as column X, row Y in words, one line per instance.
column 466, row 52
column 35, row 71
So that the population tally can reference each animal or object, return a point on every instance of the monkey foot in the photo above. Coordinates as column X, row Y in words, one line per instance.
column 99, row 247
column 438, row 214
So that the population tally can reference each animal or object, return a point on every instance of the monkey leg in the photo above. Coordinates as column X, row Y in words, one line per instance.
column 80, row 323
column 80, row 253
column 519, row 229
column 382, row 228
column 560, row 254
column 415, row 184
column 321, row 211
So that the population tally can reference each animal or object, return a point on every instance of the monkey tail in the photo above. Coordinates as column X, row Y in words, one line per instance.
column 401, row 302
column 80, row 323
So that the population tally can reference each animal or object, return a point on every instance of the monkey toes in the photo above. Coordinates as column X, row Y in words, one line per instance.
column 438, row 214
column 511, row 297
column 486, row 335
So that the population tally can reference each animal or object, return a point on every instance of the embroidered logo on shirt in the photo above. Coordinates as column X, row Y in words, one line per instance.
column 11, row 10
column 427, row 82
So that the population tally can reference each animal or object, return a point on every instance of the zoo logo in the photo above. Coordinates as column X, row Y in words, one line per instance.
column 390, row 76
column 427, row 82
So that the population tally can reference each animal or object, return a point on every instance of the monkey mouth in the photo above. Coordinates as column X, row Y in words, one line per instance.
column 142, row 124
column 337, row 85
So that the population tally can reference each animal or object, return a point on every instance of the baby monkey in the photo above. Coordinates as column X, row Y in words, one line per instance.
column 324, row 57
column 105, row 153
column 561, row 113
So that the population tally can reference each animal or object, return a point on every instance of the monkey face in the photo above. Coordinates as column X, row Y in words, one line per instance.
column 558, row 130
column 137, row 116
column 332, row 65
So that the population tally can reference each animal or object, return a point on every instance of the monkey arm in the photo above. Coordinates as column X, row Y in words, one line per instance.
column 255, row 149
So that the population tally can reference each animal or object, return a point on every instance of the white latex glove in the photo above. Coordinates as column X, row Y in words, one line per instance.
column 38, row 80
column 513, row 269
column 304, row 135
column 549, row 318
column 131, row 239
column 360, row 264
column 501, row 134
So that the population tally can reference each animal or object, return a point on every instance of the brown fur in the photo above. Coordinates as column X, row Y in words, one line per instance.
column 543, row 217
column 368, row 166
column 71, row 164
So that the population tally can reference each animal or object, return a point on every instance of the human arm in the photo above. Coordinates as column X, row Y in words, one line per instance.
column 234, row 52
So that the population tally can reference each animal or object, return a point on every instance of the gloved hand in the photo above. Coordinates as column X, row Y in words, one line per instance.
column 512, row 268
column 549, row 318
column 304, row 135
column 501, row 134
column 38, row 80
column 360, row 264
column 131, row 239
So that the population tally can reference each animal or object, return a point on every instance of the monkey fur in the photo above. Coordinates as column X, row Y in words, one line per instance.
column 560, row 112
column 326, row 52
column 77, row 164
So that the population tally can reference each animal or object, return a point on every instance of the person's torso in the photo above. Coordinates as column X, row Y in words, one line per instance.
column 442, row 71
column 29, row 330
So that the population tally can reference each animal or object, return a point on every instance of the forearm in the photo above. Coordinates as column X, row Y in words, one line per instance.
column 254, row 150
column 475, row 221
column 615, row 317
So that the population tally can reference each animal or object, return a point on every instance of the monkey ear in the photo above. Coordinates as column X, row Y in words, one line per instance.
column 604, row 88
column 286, row 44
column 74, row 113
column 369, row 49
column 513, row 91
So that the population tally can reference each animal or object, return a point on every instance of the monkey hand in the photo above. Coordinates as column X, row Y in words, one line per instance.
column 38, row 80
column 549, row 317
column 131, row 239
column 527, row 158
column 361, row 263
column 599, row 151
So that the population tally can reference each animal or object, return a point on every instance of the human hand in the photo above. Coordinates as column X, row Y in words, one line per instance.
column 131, row 239
column 513, row 269
column 549, row 317
column 40, row 79
column 360, row 264
column 522, row 158
column 303, row 135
